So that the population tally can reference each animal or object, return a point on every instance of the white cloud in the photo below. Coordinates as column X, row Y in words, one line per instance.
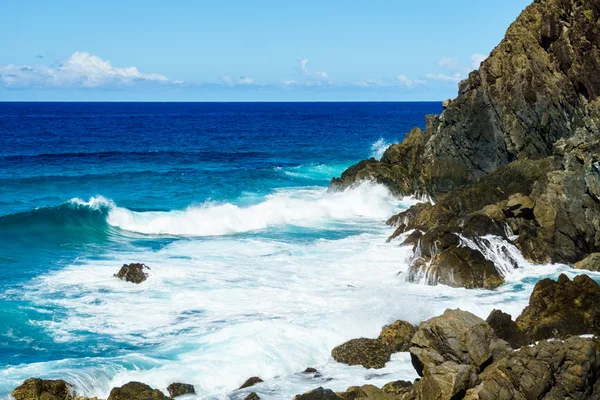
column 245, row 80
column 449, row 63
column 321, row 76
column 477, row 59
column 81, row 70
column 445, row 78
column 242, row 80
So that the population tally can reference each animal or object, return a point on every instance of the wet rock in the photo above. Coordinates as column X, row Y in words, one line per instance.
column 506, row 329
column 370, row 353
column 43, row 389
column 368, row 392
column 549, row 370
column 180, row 389
column 136, row 391
column 134, row 273
column 561, row 308
column 251, row 382
column 400, row 389
column 310, row 370
column 318, row 394
column 398, row 335
column 590, row 263
column 252, row 396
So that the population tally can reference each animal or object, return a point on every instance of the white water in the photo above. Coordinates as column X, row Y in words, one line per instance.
column 217, row 310
column 378, row 148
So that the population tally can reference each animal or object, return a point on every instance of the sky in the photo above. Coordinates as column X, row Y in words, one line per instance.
column 234, row 50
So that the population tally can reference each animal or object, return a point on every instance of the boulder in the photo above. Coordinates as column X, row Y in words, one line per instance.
column 506, row 329
column 310, row 370
column 318, row 394
column 251, row 382
column 590, row 263
column 369, row 392
column 400, row 389
column 370, row 353
column 398, row 335
column 134, row 273
column 561, row 308
column 136, row 391
column 180, row 389
column 43, row 389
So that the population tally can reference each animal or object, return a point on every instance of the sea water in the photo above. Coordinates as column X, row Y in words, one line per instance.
column 256, row 270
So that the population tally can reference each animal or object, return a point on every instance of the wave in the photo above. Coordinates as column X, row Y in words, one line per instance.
column 305, row 207
column 378, row 148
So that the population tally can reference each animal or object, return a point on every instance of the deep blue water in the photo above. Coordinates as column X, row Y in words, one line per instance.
column 143, row 165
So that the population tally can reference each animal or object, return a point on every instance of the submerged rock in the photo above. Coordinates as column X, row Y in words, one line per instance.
column 43, row 389
column 251, row 382
column 133, row 273
column 561, row 308
column 180, row 389
column 136, row 391
column 370, row 353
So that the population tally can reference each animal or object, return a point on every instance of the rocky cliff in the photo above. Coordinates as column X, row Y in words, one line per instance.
column 518, row 148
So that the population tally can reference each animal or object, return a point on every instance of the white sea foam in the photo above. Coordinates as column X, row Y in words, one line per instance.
column 378, row 148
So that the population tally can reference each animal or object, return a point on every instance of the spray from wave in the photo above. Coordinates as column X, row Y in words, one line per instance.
column 378, row 148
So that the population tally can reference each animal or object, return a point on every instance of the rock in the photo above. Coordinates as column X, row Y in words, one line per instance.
column 448, row 380
column 318, row 394
column 401, row 389
column 252, row 396
column 446, row 103
column 519, row 206
column 591, row 263
column 398, row 335
column 251, row 382
column 368, row 392
column 370, row 353
column 561, row 308
column 133, row 273
column 180, row 389
column 136, row 391
column 506, row 329
column 310, row 370
column 43, row 389
column 549, row 370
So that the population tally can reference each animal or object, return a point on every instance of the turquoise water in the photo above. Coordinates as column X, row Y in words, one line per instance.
column 255, row 268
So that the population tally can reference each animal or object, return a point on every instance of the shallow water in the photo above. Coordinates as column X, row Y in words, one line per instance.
column 255, row 268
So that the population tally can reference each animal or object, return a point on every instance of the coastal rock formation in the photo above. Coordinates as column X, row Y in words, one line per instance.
column 251, row 382
column 43, row 389
column 370, row 353
column 519, row 145
column 136, row 391
column 318, row 394
column 591, row 263
column 180, row 389
column 252, row 396
column 558, row 309
column 134, row 273
column 398, row 335
column 507, row 329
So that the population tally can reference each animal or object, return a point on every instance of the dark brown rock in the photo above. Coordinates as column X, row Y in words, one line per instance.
column 43, row 389
column 133, row 273
column 506, row 329
column 318, row 394
column 252, row 396
column 401, row 389
column 251, row 382
column 398, row 335
column 136, row 391
column 561, row 308
column 370, row 353
column 180, row 389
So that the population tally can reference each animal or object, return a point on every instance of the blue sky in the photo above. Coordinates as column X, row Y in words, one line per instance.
column 262, row 50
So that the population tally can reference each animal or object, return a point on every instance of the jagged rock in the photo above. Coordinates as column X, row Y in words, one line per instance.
column 370, row 353
column 43, row 389
column 398, row 335
column 519, row 206
column 180, row 389
column 448, row 380
column 591, row 263
column 506, row 329
column 561, row 308
column 251, row 382
column 136, row 391
column 133, row 273
column 550, row 370
column 400, row 389
column 252, row 396
column 318, row 394
column 369, row 392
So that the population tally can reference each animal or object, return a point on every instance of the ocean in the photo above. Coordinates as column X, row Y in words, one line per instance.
column 256, row 270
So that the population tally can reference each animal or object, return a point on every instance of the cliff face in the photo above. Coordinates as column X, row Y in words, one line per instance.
column 539, row 85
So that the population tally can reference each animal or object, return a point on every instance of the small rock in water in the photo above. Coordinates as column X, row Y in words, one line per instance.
column 251, row 382
column 179, row 389
column 42, row 389
column 136, row 391
column 133, row 273
column 252, row 396
column 310, row 370
column 318, row 394
column 370, row 353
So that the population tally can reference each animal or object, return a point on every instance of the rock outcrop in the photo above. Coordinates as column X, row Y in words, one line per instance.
column 507, row 329
column 134, row 273
column 251, row 382
column 519, row 145
column 398, row 335
column 590, row 263
column 179, row 389
column 136, row 391
column 43, row 389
